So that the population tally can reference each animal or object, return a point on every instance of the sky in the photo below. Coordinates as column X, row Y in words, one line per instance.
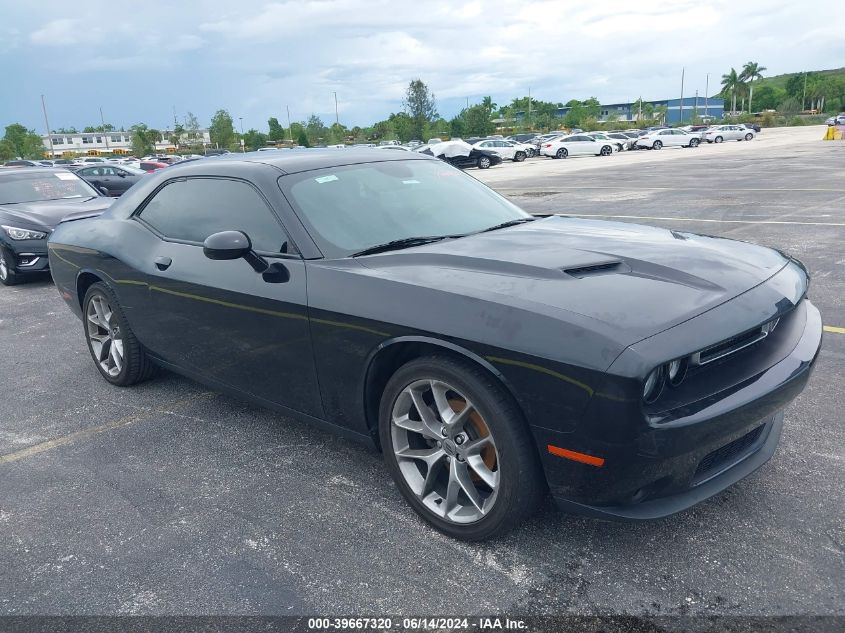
column 141, row 61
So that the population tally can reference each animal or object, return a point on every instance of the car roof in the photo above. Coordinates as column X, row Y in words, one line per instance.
column 297, row 160
column 34, row 170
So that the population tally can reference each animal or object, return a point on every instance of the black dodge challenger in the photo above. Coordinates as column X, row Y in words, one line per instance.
column 492, row 356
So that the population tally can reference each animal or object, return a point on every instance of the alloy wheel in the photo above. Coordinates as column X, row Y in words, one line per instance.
column 483, row 162
column 606, row 150
column 445, row 451
column 657, row 145
column 562, row 153
column 104, row 336
column 4, row 270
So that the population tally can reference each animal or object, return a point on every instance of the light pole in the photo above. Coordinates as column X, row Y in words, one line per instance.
column 681, row 113
column 47, row 123
column 105, row 135
column 290, row 131
column 336, row 118
column 243, row 145
column 707, row 96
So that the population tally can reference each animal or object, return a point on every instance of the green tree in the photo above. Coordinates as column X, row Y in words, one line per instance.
column 26, row 143
column 192, row 128
column 403, row 126
column 222, row 129
column 768, row 97
column 65, row 130
column 420, row 105
column 302, row 139
column 253, row 139
column 592, row 107
column 457, row 128
column 790, row 106
column 276, row 131
column 316, row 130
column 338, row 133
column 7, row 150
column 750, row 72
column 730, row 85
column 143, row 139
column 176, row 135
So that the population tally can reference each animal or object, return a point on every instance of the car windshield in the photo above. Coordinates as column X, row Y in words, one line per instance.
column 352, row 208
column 16, row 188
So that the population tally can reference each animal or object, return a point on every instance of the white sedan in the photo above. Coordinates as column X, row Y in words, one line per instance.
column 506, row 149
column 719, row 133
column 618, row 145
column 576, row 145
column 669, row 137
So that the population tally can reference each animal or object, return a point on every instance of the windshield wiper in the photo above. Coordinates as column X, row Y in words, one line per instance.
column 505, row 225
column 405, row 242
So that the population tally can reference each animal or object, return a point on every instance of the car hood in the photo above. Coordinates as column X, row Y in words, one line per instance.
column 49, row 213
column 627, row 280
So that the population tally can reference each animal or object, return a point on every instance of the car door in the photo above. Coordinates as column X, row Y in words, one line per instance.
column 120, row 181
column 578, row 145
column 92, row 175
column 223, row 320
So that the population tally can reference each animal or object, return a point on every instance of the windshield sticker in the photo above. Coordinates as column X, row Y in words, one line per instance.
column 410, row 182
column 65, row 175
column 324, row 179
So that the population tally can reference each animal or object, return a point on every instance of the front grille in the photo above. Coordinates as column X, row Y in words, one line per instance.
column 734, row 344
column 728, row 453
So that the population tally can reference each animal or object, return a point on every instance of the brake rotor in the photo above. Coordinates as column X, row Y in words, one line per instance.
column 488, row 453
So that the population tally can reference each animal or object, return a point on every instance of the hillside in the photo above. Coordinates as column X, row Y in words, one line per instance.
column 779, row 81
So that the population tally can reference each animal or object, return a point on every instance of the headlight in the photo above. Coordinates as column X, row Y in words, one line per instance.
column 653, row 385
column 676, row 370
column 23, row 234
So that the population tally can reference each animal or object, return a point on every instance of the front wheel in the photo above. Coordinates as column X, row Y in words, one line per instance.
column 694, row 142
column 606, row 150
column 657, row 145
column 7, row 275
column 519, row 157
column 484, row 162
column 458, row 449
column 718, row 139
column 749, row 136
column 562, row 153
column 117, row 354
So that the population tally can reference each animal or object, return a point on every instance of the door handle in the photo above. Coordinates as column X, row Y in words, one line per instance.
column 163, row 263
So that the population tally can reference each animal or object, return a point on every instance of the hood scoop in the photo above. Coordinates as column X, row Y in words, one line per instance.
column 593, row 270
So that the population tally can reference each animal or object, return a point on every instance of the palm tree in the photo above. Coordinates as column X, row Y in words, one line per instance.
column 730, row 83
column 750, row 72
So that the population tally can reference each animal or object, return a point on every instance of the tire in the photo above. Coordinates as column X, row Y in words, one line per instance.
column 532, row 153
column 606, row 150
column 694, row 142
column 104, row 323
column 657, row 145
column 8, row 277
column 749, row 136
column 484, row 162
column 519, row 157
column 509, row 461
column 562, row 153
column 718, row 139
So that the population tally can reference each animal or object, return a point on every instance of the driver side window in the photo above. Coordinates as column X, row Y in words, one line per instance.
column 194, row 208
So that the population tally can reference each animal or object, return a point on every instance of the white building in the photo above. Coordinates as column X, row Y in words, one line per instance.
column 116, row 142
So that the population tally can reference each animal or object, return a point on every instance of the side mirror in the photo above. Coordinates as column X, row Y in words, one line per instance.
column 228, row 245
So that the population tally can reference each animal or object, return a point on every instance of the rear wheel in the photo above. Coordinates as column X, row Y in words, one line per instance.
column 606, row 150
column 694, row 142
column 484, row 162
column 718, row 139
column 458, row 448
column 657, row 145
column 749, row 136
column 7, row 275
column 117, row 354
column 562, row 153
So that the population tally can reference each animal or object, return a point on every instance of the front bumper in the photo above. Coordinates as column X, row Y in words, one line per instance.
column 673, row 464
column 30, row 257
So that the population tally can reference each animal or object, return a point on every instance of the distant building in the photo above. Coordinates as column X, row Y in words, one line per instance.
column 677, row 111
column 116, row 142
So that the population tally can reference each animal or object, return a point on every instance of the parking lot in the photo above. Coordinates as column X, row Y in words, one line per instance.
column 171, row 499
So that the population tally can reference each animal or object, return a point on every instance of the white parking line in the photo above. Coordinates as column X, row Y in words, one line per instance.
column 670, row 219
column 560, row 189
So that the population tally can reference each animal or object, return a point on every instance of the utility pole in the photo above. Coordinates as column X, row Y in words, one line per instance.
column 243, row 145
column 681, row 115
column 804, row 94
column 695, row 111
column 529, row 106
column 706, row 95
column 105, row 134
column 640, row 115
column 47, row 123
column 336, row 117
column 290, row 131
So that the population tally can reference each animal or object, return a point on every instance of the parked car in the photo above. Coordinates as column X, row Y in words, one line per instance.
column 522, row 138
column 617, row 144
column 751, row 126
column 839, row 119
column 33, row 200
column 481, row 158
column 720, row 133
column 670, row 137
column 479, row 348
column 150, row 165
column 112, row 180
column 22, row 163
column 576, row 145
column 504, row 149
column 625, row 141
column 62, row 162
